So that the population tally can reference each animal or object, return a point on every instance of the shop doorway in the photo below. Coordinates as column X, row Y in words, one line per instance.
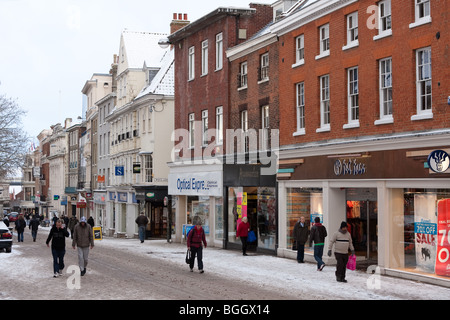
column 362, row 219
column 259, row 205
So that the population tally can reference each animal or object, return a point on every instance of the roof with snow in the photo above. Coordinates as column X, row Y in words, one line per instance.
column 142, row 47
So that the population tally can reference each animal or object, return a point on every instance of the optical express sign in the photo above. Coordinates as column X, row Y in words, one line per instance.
column 196, row 184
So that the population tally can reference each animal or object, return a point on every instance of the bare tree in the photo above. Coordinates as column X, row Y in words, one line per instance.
column 14, row 141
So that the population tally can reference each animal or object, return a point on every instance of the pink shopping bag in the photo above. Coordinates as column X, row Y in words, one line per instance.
column 351, row 264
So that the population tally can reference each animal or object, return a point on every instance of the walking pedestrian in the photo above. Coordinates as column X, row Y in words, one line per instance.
column 342, row 241
column 34, row 226
column 83, row 239
column 142, row 222
column 20, row 227
column 91, row 222
column 194, row 243
column 242, row 232
column 73, row 221
column 301, row 233
column 58, row 236
column 318, row 235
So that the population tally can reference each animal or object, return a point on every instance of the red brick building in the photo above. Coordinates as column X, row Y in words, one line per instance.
column 364, row 112
column 202, row 116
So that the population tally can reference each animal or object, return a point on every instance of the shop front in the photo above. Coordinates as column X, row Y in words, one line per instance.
column 197, row 191
column 154, row 202
column 250, row 194
column 395, row 202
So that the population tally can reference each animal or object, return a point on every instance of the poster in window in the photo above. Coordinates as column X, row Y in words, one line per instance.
column 425, row 229
column 443, row 239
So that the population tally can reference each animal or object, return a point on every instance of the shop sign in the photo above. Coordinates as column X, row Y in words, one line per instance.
column 350, row 167
column 97, row 231
column 439, row 161
column 120, row 171
column 196, row 184
column 122, row 196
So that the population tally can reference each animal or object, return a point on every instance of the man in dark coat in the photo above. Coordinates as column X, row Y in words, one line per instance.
column 34, row 226
column 301, row 233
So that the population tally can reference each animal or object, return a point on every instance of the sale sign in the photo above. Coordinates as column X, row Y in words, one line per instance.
column 443, row 239
column 425, row 230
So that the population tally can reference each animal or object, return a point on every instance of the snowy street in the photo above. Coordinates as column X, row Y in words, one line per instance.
column 125, row 269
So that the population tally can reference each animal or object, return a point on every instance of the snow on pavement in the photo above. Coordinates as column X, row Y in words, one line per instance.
column 283, row 274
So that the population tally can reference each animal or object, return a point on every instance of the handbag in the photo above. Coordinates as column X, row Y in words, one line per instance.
column 351, row 264
column 251, row 236
column 188, row 256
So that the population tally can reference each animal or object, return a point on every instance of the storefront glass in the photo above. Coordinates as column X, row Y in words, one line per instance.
column 421, row 233
column 258, row 204
column 219, row 218
column 198, row 207
column 302, row 202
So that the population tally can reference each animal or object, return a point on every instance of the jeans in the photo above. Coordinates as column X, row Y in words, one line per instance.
column 58, row 260
column 34, row 234
column 142, row 233
column 83, row 254
column 20, row 236
column 300, row 252
column 318, row 253
column 199, row 253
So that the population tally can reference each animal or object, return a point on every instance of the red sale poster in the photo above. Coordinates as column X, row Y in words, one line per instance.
column 443, row 244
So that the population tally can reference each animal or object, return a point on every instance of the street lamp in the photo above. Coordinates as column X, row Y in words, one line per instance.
column 164, row 43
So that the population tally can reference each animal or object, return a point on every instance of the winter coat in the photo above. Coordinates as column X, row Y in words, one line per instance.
column 242, row 229
column 58, row 237
column 301, row 233
column 142, row 221
column 342, row 242
column 20, row 225
column 82, row 236
column 72, row 223
column 34, row 223
column 196, row 237
column 318, row 234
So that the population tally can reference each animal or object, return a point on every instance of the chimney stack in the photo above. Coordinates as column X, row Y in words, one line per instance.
column 180, row 20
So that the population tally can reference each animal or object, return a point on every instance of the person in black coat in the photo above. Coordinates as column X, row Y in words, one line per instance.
column 301, row 234
column 34, row 226
column 58, row 236
column 20, row 227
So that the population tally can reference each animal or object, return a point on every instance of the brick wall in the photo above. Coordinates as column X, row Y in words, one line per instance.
column 401, row 46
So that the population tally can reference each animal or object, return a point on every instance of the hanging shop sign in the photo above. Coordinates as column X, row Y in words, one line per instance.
column 439, row 161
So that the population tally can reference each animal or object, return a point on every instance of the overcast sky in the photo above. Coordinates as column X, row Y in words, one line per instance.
column 50, row 48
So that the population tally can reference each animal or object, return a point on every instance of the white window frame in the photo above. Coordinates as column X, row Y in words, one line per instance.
column 352, row 98
column 191, row 130
column 422, row 13
column 191, row 64
column 243, row 74
column 148, row 168
column 264, row 63
column 300, row 108
column 352, row 31
column 204, row 57
column 325, row 116
column 204, row 128
column 244, row 127
column 384, row 19
column 324, row 41
column 423, row 111
column 385, row 85
column 219, row 125
column 219, row 51
column 265, row 126
column 299, row 51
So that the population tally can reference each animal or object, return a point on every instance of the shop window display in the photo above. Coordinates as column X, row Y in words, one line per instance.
column 198, row 207
column 258, row 204
column 302, row 202
column 426, row 226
